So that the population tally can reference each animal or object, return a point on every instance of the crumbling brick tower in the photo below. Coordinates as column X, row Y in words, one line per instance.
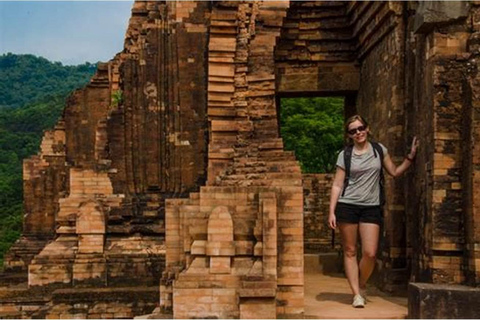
column 235, row 249
column 189, row 105
column 168, row 167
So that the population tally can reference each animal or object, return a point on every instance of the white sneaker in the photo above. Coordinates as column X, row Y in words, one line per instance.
column 363, row 293
column 358, row 301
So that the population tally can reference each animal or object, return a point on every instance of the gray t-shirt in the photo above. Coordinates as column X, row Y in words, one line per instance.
column 364, row 183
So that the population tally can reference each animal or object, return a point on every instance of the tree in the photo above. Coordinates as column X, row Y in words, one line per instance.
column 312, row 127
column 26, row 78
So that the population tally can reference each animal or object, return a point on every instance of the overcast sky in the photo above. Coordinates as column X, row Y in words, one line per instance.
column 71, row 32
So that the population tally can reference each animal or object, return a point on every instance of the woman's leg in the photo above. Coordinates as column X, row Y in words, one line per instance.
column 369, row 233
column 349, row 242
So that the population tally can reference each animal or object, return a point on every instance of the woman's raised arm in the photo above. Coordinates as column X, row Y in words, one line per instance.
column 395, row 171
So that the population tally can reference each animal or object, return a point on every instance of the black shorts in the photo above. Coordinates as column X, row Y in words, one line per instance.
column 352, row 213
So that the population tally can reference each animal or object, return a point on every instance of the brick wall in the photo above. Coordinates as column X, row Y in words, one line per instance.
column 471, row 156
column 317, row 234
column 440, row 100
column 315, row 53
column 381, row 100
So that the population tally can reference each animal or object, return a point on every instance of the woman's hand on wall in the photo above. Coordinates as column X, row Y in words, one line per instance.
column 413, row 149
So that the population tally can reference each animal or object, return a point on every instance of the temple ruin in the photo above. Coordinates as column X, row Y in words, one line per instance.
column 165, row 184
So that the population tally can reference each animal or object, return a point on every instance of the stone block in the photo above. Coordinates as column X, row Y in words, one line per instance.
column 220, row 265
column 198, row 247
column 222, row 43
column 437, row 301
column 257, row 292
column 244, row 247
column 258, row 309
column 326, row 81
column 258, row 249
column 90, row 244
column 223, row 248
column 220, row 237
column 432, row 13
column 86, row 270
column 198, row 265
column 224, row 70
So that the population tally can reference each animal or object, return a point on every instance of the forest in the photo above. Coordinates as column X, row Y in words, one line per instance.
column 32, row 96
column 25, row 79
column 312, row 128
column 33, row 91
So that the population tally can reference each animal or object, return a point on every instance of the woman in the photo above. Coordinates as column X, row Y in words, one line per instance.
column 357, row 208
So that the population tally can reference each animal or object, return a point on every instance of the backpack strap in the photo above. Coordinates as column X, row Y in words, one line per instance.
column 347, row 160
column 377, row 148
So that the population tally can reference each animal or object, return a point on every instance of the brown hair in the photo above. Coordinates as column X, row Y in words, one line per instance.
column 349, row 121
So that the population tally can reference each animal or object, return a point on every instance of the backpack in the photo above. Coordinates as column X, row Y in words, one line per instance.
column 347, row 157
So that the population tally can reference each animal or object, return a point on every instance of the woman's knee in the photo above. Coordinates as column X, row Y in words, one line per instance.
column 369, row 254
column 350, row 252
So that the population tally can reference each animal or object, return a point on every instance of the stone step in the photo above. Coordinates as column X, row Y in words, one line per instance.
column 324, row 263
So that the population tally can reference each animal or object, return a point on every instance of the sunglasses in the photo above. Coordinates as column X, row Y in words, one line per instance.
column 358, row 129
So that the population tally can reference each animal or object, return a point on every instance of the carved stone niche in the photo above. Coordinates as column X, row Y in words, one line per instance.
column 220, row 246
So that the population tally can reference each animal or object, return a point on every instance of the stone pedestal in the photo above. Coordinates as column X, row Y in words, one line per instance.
column 436, row 301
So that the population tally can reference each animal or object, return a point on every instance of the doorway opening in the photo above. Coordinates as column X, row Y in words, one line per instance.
column 312, row 128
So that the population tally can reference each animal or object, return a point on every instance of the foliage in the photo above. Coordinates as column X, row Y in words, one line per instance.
column 312, row 127
column 117, row 98
column 26, row 78
column 22, row 125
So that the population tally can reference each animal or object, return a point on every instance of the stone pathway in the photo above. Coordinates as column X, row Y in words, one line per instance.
column 329, row 297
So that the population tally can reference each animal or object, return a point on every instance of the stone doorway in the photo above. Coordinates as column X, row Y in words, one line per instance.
column 327, row 294
column 320, row 52
column 312, row 128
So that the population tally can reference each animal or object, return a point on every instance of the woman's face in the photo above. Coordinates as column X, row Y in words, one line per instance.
column 357, row 131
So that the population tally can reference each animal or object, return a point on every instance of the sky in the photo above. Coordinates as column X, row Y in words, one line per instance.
column 71, row 32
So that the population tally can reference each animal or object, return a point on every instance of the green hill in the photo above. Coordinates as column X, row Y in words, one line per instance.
column 32, row 96
column 26, row 78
